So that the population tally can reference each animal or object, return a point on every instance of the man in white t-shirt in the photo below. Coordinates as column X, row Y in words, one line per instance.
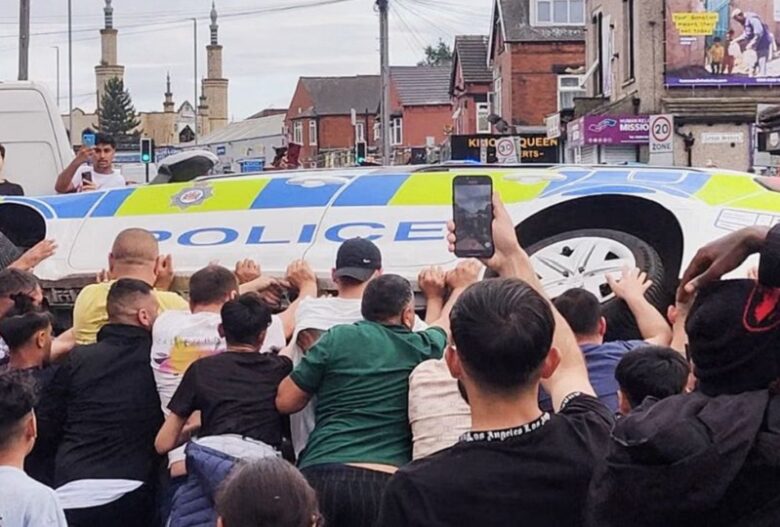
column 358, row 261
column 23, row 501
column 79, row 176
column 179, row 338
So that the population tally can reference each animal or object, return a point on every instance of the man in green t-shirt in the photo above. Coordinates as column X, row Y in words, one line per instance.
column 360, row 375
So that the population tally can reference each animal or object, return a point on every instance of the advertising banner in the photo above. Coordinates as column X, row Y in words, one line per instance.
column 528, row 148
column 609, row 130
column 722, row 43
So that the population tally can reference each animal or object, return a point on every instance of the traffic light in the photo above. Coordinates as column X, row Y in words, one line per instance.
column 360, row 152
column 147, row 151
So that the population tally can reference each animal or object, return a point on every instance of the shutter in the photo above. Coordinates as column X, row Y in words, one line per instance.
column 588, row 155
column 618, row 154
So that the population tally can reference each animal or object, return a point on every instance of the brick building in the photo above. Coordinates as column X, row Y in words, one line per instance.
column 640, row 63
column 320, row 118
column 420, row 110
column 535, row 50
column 471, row 82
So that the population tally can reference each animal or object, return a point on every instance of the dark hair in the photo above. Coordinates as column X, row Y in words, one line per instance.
column 2, row 151
column 123, row 293
column 23, row 321
column 211, row 285
column 655, row 371
column 716, row 39
column 581, row 309
column 245, row 319
column 105, row 139
column 386, row 297
column 503, row 331
column 17, row 400
column 14, row 281
column 280, row 496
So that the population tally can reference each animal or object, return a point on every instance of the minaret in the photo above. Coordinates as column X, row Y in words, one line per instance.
column 108, row 67
column 168, row 105
column 204, row 121
column 215, row 88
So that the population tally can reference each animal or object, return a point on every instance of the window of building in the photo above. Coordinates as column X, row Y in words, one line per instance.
column 559, row 12
column 298, row 132
column 360, row 131
column 312, row 132
column 569, row 87
column 483, row 125
column 497, row 103
column 396, row 131
column 628, row 40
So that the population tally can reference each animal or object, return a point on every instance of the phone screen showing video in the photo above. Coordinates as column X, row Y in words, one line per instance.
column 473, row 216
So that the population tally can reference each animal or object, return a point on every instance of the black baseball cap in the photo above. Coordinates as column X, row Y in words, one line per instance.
column 358, row 258
column 734, row 337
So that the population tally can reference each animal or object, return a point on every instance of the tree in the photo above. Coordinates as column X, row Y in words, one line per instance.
column 117, row 116
column 438, row 55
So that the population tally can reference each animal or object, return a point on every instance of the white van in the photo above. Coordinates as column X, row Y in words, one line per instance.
column 34, row 136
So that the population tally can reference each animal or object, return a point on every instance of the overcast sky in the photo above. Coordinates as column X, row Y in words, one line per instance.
column 266, row 48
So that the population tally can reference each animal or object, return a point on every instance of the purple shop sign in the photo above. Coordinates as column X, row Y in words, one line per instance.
column 609, row 130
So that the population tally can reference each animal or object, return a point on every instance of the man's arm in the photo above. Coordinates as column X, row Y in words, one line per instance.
column 168, row 437
column 290, row 398
column 35, row 255
column 433, row 284
column 301, row 277
column 458, row 280
column 631, row 289
column 64, row 183
column 511, row 261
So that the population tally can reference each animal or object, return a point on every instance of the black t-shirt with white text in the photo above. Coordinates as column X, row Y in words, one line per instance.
column 236, row 394
column 537, row 474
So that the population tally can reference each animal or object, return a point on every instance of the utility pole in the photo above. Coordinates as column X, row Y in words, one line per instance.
column 24, row 40
column 195, row 74
column 70, row 72
column 385, row 75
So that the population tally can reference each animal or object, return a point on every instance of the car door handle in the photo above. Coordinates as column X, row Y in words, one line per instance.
column 316, row 181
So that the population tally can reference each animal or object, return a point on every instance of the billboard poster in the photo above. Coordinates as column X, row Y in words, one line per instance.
column 722, row 43
column 529, row 148
column 609, row 130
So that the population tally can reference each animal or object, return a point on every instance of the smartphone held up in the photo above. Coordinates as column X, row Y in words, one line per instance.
column 472, row 212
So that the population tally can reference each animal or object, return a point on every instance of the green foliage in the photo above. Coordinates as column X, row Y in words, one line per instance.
column 117, row 116
column 437, row 55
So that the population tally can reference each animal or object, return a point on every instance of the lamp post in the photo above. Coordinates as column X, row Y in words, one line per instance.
column 57, row 48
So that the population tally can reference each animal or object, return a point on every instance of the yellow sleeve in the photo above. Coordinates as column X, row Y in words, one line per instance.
column 171, row 301
column 90, row 313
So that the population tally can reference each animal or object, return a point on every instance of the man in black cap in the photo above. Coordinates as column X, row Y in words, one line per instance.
column 708, row 458
column 358, row 261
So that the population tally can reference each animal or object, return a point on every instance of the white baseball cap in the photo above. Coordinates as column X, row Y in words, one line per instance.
column 736, row 13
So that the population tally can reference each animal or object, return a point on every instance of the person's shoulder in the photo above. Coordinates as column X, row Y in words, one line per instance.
column 436, row 468
column 429, row 368
column 93, row 290
column 587, row 408
column 171, row 300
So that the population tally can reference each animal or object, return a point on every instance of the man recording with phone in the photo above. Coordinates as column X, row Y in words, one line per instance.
column 93, row 167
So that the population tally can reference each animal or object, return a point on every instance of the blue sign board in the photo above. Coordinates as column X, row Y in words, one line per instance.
column 252, row 165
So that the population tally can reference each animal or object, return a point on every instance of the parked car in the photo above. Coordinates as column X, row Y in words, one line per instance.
column 578, row 222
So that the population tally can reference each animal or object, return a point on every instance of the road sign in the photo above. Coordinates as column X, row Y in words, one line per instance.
column 661, row 134
column 506, row 150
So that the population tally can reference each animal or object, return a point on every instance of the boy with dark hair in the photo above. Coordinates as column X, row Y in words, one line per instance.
column 99, row 174
column 582, row 311
column 280, row 496
column 233, row 390
column 650, row 371
column 518, row 463
column 23, row 501
column 360, row 376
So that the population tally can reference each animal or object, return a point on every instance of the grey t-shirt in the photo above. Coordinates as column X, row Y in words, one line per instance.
column 26, row 503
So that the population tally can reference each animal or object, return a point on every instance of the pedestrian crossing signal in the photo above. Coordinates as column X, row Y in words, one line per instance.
column 147, row 151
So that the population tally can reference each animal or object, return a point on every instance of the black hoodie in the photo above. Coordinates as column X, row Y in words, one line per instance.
column 692, row 460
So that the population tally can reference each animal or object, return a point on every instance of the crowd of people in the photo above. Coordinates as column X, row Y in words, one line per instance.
column 500, row 406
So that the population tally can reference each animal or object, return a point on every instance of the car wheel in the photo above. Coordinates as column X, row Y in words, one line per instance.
column 584, row 258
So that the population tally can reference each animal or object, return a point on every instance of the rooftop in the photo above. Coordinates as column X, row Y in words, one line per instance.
column 339, row 95
column 516, row 15
column 422, row 85
column 268, row 126
column 471, row 53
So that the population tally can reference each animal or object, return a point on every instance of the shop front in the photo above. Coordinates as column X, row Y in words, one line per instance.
column 606, row 139
column 528, row 148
